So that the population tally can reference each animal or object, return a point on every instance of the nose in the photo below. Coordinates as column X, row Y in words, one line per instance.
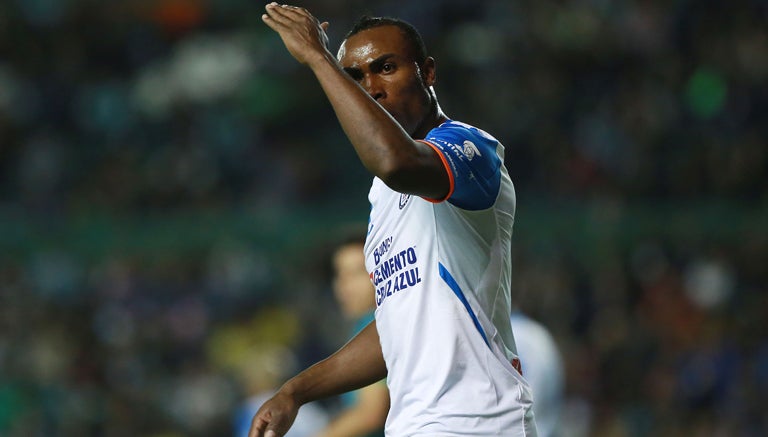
column 373, row 87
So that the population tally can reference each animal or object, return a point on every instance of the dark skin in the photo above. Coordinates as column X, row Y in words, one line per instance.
column 384, row 100
column 384, row 104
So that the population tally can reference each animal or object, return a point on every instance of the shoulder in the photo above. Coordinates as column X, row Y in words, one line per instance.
column 474, row 161
column 461, row 134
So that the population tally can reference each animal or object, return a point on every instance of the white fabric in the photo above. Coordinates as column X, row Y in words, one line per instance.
column 445, row 378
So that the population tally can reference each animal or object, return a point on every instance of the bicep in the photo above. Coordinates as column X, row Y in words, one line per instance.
column 362, row 356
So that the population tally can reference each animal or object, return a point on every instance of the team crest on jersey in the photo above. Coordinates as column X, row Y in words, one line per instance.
column 404, row 198
column 470, row 150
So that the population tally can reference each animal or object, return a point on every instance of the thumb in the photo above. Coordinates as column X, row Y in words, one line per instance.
column 324, row 25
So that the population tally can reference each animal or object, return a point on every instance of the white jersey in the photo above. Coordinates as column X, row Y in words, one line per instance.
column 441, row 270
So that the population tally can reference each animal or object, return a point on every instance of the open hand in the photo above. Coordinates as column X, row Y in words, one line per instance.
column 303, row 35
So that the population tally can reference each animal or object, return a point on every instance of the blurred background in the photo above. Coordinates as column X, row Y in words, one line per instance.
column 170, row 180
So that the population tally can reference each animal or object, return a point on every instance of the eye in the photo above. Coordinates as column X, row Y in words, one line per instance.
column 388, row 68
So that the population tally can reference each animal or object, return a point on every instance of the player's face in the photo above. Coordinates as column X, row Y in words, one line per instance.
column 351, row 283
column 380, row 60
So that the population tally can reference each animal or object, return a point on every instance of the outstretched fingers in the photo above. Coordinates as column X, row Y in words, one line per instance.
column 303, row 35
column 296, row 10
column 276, row 15
column 286, row 12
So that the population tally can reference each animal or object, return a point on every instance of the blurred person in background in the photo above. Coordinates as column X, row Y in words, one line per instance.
column 261, row 371
column 437, row 249
column 364, row 410
column 542, row 366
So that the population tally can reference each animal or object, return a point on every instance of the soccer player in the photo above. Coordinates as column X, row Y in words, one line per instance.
column 437, row 249
column 365, row 410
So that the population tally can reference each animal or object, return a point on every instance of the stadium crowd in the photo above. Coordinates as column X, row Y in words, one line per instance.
column 636, row 134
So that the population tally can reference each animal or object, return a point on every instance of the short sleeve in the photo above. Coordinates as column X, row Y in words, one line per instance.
column 474, row 165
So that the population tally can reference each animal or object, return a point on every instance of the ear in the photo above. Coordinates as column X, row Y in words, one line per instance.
column 428, row 71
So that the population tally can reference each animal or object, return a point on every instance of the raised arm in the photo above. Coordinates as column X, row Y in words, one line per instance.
column 383, row 100
column 357, row 364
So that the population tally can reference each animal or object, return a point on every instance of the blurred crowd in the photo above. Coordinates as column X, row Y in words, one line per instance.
column 618, row 118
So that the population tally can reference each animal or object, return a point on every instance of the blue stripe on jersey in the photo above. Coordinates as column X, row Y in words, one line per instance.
column 446, row 275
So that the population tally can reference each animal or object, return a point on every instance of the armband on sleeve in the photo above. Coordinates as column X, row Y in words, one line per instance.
column 473, row 164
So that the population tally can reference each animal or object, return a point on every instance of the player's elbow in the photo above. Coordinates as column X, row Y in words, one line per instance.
column 417, row 181
column 412, row 171
column 395, row 176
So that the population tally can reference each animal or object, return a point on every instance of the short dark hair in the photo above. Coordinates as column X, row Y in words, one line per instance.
column 348, row 235
column 351, row 235
column 419, row 49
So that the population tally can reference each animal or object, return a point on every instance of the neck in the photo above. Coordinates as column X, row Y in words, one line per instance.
column 435, row 117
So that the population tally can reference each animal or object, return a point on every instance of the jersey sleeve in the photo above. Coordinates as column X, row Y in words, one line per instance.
column 473, row 165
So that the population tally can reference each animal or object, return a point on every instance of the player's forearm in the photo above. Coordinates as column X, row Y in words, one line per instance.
column 379, row 140
column 357, row 364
